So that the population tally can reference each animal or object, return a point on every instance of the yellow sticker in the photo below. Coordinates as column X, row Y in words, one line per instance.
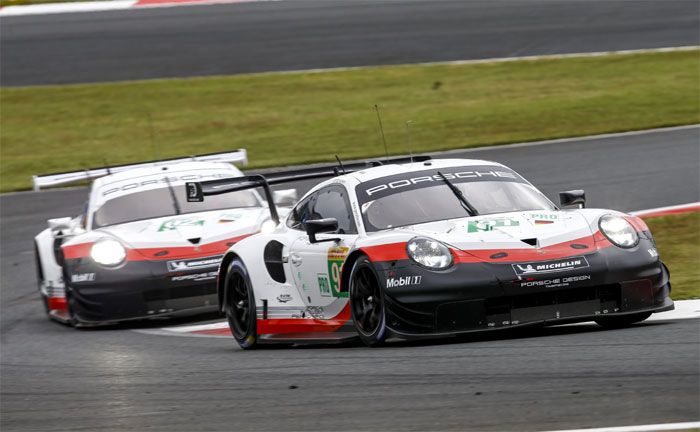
column 336, row 258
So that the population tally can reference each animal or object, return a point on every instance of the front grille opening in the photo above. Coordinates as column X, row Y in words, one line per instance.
column 179, row 292
column 503, row 305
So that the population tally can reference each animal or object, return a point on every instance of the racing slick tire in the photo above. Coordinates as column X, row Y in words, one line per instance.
column 240, row 305
column 622, row 321
column 367, row 303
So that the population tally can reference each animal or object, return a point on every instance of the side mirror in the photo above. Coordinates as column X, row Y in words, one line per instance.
column 60, row 224
column 573, row 198
column 285, row 198
column 318, row 226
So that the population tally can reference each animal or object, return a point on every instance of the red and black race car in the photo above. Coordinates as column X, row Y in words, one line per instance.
column 431, row 248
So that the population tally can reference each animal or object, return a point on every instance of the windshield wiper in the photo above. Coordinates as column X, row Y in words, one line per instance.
column 176, row 205
column 460, row 196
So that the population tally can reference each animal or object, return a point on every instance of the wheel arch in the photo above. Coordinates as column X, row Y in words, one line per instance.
column 347, row 268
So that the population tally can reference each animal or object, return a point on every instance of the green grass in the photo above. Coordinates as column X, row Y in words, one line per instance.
column 678, row 241
column 5, row 3
column 309, row 117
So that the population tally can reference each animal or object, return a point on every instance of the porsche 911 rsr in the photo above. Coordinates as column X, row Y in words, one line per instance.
column 433, row 248
column 139, row 249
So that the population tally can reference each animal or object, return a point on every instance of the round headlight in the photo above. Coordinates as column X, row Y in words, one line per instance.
column 429, row 253
column 620, row 232
column 108, row 252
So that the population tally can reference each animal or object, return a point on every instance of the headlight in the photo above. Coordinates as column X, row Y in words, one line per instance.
column 267, row 227
column 429, row 253
column 620, row 232
column 108, row 252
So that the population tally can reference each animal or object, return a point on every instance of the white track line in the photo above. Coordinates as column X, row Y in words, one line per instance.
column 639, row 428
column 685, row 309
column 497, row 59
column 55, row 8
column 660, row 211
column 569, row 139
column 104, row 5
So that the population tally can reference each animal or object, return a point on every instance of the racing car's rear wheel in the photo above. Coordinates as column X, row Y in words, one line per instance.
column 240, row 305
column 622, row 320
column 367, row 303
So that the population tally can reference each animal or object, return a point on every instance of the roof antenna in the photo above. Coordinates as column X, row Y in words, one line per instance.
column 107, row 167
column 408, row 138
column 381, row 129
column 340, row 163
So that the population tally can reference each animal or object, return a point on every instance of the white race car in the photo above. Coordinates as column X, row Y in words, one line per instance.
column 139, row 249
column 432, row 248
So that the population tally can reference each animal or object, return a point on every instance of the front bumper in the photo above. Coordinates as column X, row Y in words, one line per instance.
column 138, row 290
column 484, row 296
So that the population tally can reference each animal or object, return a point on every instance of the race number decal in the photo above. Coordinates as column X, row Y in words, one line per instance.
column 336, row 258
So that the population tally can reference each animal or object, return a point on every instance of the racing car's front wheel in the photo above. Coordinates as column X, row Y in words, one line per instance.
column 622, row 320
column 367, row 303
column 240, row 305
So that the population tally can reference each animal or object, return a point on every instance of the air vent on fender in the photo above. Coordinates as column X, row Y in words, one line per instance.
column 273, row 261
column 195, row 240
column 530, row 241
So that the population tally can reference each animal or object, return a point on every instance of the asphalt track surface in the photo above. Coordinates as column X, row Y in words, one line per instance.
column 300, row 34
column 57, row 378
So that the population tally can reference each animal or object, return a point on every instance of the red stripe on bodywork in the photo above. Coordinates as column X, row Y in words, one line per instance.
column 397, row 251
column 556, row 251
column 387, row 252
column 637, row 223
column 182, row 251
column 82, row 250
column 304, row 325
column 77, row 251
column 292, row 325
column 57, row 303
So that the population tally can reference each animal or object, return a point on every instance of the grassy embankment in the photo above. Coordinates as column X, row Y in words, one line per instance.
column 678, row 241
column 309, row 117
column 5, row 3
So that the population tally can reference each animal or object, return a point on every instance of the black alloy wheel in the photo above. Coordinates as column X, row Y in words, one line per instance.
column 240, row 305
column 367, row 303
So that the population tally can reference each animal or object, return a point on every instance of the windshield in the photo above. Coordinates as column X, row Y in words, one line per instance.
column 155, row 203
column 412, row 198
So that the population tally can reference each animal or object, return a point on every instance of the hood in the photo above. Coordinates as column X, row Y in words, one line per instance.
column 189, row 229
column 534, row 230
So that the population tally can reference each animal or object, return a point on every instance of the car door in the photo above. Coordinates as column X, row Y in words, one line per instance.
column 316, row 266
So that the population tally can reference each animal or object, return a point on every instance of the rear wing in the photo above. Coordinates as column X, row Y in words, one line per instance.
column 196, row 191
column 56, row 179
